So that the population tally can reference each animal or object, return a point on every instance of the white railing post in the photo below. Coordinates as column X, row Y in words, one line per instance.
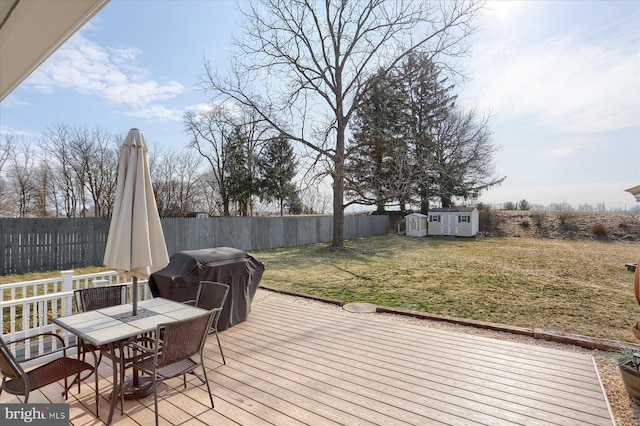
column 67, row 286
column 26, row 307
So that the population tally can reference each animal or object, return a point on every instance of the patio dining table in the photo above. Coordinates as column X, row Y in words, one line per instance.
column 109, row 326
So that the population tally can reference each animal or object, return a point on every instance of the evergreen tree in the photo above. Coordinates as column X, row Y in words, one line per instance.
column 412, row 144
column 390, row 152
column 427, row 102
column 277, row 170
column 240, row 181
column 376, row 141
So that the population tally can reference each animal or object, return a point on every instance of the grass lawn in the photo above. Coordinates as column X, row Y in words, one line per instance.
column 570, row 286
column 577, row 287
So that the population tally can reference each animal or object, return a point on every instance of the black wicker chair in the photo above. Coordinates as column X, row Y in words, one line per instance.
column 175, row 352
column 212, row 295
column 90, row 299
column 18, row 382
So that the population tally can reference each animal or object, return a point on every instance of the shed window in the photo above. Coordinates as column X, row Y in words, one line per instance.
column 434, row 218
column 464, row 219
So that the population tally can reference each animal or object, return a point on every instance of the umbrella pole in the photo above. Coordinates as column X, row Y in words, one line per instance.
column 134, row 295
column 137, row 387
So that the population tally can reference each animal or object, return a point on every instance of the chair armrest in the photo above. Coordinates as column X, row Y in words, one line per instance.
column 61, row 346
column 137, row 346
column 34, row 336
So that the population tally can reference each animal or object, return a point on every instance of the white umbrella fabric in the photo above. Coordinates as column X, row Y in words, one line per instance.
column 135, row 245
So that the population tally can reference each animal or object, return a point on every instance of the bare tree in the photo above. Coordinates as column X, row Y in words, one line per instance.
column 230, row 140
column 21, row 175
column 319, row 57
column 314, row 199
column 210, row 132
column 175, row 178
column 5, row 149
column 98, row 151
column 461, row 159
column 84, row 164
column 57, row 148
column 42, row 190
column 207, row 200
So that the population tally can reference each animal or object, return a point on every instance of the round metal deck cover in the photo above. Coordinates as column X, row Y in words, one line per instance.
column 360, row 308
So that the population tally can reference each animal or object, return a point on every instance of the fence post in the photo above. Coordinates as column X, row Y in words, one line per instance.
column 67, row 287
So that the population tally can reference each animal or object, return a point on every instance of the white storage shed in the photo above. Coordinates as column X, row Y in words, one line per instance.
column 416, row 225
column 454, row 221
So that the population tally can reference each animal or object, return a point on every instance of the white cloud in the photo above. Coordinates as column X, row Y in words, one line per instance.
column 569, row 83
column 156, row 111
column 7, row 132
column 569, row 146
column 232, row 109
column 111, row 73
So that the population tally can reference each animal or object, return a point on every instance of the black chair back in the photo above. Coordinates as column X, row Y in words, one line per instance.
column 211, row 295
column 90, row 299
column 183, row 339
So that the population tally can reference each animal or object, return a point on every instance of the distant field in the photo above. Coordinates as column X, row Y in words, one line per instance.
column 571, row 286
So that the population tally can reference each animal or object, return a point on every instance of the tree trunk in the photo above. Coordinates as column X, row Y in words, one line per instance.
column 403, row 206
column 338, row 189
column 424, row 201
column 225, row 206
column 338, row 213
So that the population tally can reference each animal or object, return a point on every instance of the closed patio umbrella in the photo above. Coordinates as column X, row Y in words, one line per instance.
column 135, row 245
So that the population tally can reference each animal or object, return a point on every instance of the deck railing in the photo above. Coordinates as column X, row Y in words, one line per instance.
column 28, row 307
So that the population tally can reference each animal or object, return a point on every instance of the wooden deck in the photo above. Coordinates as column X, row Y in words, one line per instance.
column 293, row 363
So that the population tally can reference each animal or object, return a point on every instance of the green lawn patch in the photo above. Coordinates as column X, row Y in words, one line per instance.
column 571, row 286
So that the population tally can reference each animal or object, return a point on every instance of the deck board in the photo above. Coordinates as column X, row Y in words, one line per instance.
column 294, row 363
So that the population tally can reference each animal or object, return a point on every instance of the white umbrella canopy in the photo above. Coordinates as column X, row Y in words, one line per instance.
column 135, row 245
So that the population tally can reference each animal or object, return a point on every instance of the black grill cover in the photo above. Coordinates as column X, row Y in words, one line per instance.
column 179, row 280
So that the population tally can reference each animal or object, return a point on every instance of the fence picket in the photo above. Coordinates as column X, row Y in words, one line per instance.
column 44, row 244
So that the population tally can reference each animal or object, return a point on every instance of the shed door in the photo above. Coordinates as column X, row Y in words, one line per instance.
column 449, row 224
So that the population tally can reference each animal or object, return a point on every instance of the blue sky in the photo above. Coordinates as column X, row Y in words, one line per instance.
column 560, row 79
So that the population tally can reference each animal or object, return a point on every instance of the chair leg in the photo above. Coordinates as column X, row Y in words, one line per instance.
column 122, row 378
column 81, row 355
column 220, row 346
column 155, row 397
column 95, row 370
column 206, row 380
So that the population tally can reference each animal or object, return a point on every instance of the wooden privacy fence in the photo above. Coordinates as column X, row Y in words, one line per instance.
column 30, row 245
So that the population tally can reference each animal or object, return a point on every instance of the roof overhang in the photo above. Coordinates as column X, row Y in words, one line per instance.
column 31, row 30
column 635, row 191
